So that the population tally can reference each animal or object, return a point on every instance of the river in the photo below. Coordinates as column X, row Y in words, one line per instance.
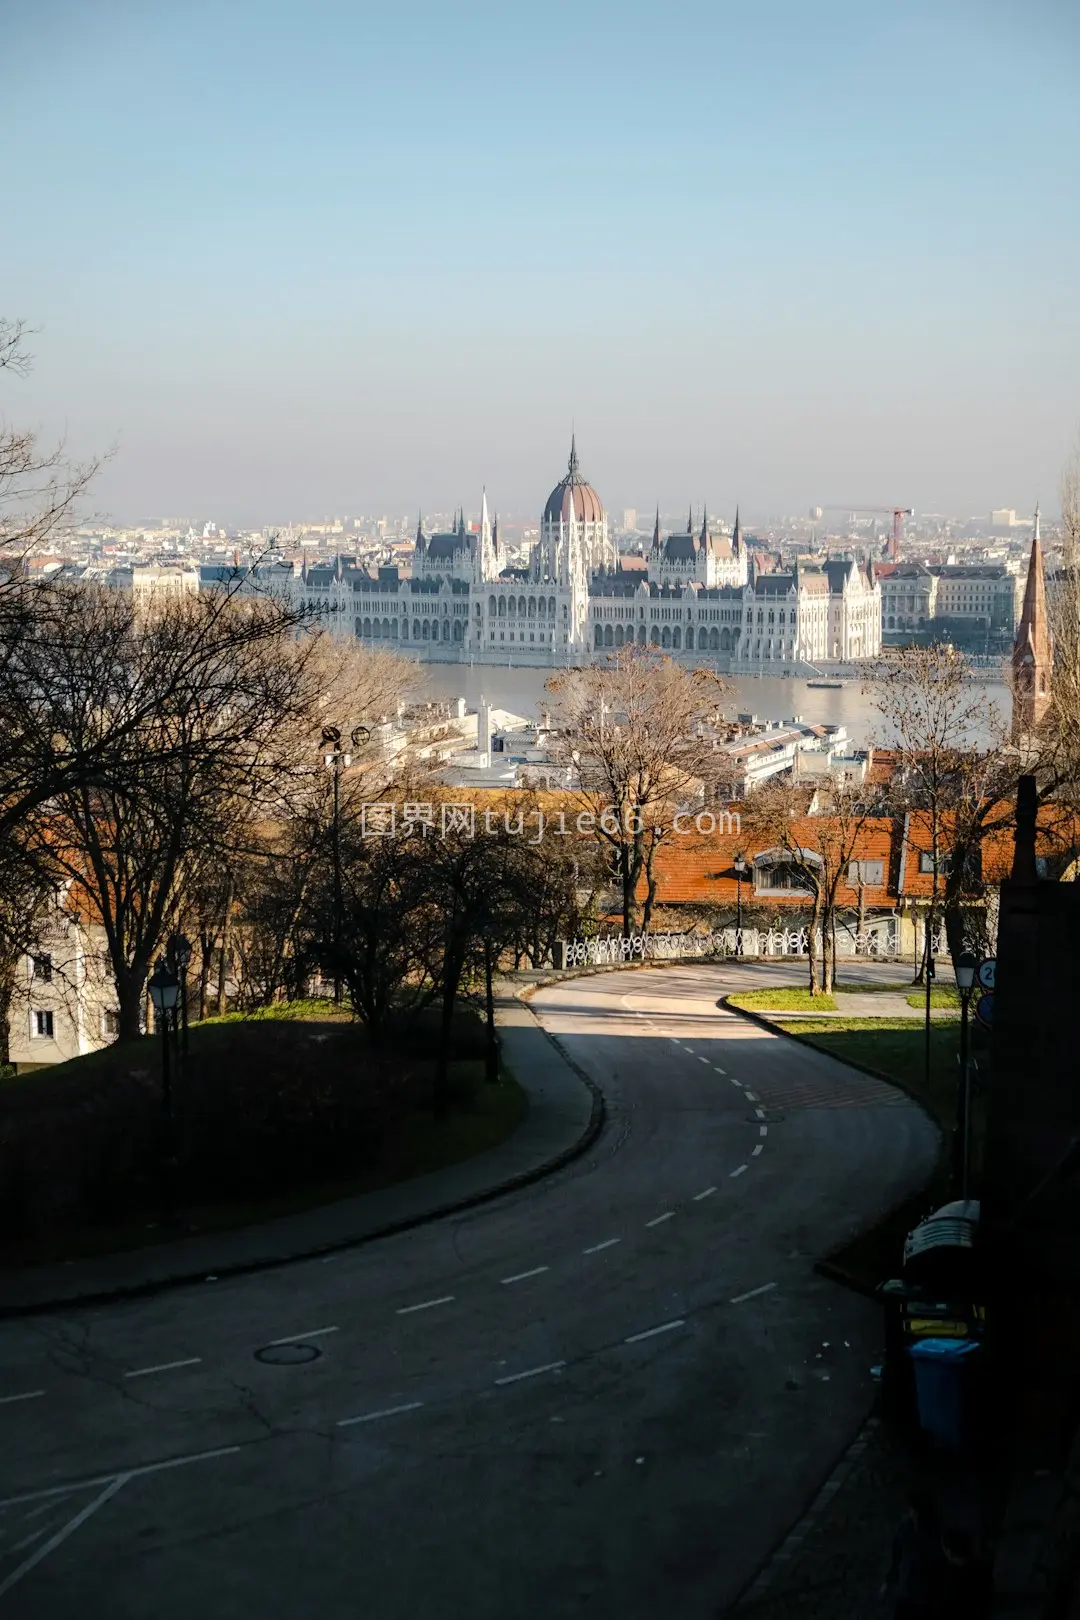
column 521, row 691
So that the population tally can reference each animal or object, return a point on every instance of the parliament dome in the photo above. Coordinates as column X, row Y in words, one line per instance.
column 573, row 498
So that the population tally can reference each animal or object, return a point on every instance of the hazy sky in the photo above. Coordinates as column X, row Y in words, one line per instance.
column 310, row 257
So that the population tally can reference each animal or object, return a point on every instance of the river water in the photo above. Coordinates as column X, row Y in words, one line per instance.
column 769, row 697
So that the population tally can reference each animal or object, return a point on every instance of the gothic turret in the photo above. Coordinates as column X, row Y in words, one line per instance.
column 656, row 535
column 736, row 537
column 1032, row 655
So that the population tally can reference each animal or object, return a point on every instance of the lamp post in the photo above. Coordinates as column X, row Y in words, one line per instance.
column 164, row 989
column 740, row 873
column 179, row 958
column 966, row 967
column 337, row 760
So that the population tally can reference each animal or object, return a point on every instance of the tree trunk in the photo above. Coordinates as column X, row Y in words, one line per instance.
column 206, row 959
column 812, row 949
column 451, row 979
column 492, row 1052
column 860, row 926
column 6, row 987
column 226, row 941
column 130, row 990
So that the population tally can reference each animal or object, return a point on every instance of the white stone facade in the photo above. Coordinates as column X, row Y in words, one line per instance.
column 696, row 595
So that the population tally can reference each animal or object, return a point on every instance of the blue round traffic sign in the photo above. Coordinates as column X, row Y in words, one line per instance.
column 984, row 1009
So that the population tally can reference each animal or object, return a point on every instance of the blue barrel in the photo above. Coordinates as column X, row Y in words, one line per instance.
column 940, row 1388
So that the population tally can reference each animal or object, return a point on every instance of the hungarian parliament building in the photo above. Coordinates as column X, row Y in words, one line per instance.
column 699, row 596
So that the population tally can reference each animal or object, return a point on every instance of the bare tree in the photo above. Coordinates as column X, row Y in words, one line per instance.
column 955, row 772
column 192, row 776
column 39, row 487
column 814, row 855
column 637, row 730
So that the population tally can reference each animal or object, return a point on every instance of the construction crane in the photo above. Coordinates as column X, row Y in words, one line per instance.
column 891, row 549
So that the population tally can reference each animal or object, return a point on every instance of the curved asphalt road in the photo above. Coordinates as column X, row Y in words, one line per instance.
column 611, row 1393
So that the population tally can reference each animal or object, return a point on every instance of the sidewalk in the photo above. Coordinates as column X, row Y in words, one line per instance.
column 564, row 1117
column 873, row 1004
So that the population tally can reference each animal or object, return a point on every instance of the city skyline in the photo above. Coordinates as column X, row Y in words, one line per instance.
column 324, row 260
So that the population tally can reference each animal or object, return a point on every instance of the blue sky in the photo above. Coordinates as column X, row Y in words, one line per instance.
column 323, row 257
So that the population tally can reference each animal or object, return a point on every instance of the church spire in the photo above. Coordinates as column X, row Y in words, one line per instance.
column 690, row 521
column 656, row 532
column 736, row 536
column 574, row 466
column 705, row 541
column 1032, row 656
column 419, row 531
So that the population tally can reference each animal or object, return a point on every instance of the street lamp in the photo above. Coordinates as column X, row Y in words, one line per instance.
column 337, row 760
column 179, row 957
column 164, row 989
column 966, row 966
column 741, row 869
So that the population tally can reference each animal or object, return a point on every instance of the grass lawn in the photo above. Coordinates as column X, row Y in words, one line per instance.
column 944, row 995
column 275, row 1115
column 792, row 998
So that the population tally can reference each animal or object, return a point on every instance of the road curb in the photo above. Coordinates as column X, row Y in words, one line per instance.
column 186, row 1279
column 787, row 1550
column 828, row 1267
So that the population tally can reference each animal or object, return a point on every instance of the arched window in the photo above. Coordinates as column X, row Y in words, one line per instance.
column 690, row 639
column 386, row 629
column 427, row 631
column 676, row 638
column 598, row 638
column 532, row 607
column 359, row 627
column 725, row 640
column 457, row 631
column 714, row 639
column 502, row 606
column 618, row 635
column 641, row 635
column 665, row 639
column 376, row 630
column 551, row 606
column 416, row 629
column 446, row 630
column 367, row 627
column 491, row 606
column 608, row 636
column 393, row 629
column 655, row 637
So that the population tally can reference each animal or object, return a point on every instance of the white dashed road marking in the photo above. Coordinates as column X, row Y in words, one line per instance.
column 753, row 1293
column 531, row 1372
column 164, row 1366
column 426, row 1305
column 738, row 1172
column 706, row 1194
column 756, row 1151
column 387, row 1411
column 520, row 1276
column 665, row 1217
column 763, row 1130
column 702, row 1059
column 607, row 1244
column 62, row 1534
column 650, row 1333
column 750, row 1097
column 760, row 1112
column 735, row 1082
column 718, row 1069
column 312, row 1333
column 30, row 1395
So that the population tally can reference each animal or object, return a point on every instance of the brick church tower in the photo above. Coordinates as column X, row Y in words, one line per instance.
column 1032, row 655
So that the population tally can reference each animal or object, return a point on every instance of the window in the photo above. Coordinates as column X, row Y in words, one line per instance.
column 110, row 1023
column 43, row 1025
column 926, row 862
column 869, row 873
column 41, row 967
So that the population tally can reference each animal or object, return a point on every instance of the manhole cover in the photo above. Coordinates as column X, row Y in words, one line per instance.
column 287, row 1355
